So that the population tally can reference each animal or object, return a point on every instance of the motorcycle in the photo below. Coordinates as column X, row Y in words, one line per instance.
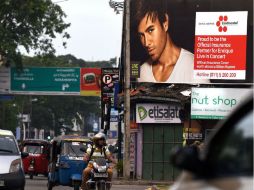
column 99, row 175
column 31, row 169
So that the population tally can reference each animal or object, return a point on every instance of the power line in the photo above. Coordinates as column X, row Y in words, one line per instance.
column 60, row 1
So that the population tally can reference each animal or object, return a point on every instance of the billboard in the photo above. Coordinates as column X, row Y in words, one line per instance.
column 90, row 82
column 220, row 45
column 162, row 41
column 216, row 103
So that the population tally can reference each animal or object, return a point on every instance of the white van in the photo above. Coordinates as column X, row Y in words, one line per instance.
column 11, row 168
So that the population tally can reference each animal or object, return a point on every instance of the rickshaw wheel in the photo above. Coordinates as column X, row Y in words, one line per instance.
column 101, row 187
column 76, row 187
column 31, row 176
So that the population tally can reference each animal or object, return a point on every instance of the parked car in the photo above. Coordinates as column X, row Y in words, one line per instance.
column 11, row 168
column 226, row 161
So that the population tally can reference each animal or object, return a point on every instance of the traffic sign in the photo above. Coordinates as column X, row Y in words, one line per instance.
column 109, row 77
column 52, row 81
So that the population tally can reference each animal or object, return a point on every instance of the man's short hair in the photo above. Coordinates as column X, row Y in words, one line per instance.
column 154, row 8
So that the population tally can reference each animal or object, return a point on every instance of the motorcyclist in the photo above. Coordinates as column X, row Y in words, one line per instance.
column 98, row 150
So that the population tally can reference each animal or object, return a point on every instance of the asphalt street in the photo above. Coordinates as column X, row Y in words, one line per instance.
column 40, row 183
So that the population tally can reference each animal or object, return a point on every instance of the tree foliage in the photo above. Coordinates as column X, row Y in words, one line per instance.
column 8, row 116
column 65, row 61
column 29, row 24
column 49, row 112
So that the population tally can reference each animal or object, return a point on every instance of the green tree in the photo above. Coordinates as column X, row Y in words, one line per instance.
column 65, row 61
column 49, row 112
column 31, row 24
column 8, row 115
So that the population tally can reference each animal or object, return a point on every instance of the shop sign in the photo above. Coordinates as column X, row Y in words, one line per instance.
column 157, row 113
column 220, row 45
column 216, row 103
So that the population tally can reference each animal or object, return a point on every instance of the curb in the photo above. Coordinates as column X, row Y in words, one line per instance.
column 140, row 182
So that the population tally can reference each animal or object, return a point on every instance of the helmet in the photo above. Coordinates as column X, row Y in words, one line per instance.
column 99, row 135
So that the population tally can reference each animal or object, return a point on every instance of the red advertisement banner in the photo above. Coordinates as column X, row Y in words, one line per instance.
column 90, row 82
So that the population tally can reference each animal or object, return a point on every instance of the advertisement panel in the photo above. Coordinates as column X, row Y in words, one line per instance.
column 109, row 77
column 113, row 115
column 165, row 35
column 220, row 45
column 157, row 113
column 216, row 103
column 90, row 82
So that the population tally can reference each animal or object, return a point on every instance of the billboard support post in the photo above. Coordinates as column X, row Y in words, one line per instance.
column 126, row 160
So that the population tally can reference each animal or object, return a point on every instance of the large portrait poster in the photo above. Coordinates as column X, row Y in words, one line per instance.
column 175, row 41
column 220, row 45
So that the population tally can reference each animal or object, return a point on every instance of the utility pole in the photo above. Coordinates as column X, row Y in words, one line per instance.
column 126, row 159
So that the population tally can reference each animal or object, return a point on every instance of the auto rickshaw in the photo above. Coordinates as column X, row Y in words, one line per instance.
column 66, row 161
column 38, row 159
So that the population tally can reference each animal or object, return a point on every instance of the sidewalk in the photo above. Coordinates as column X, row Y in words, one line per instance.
column 161, row 185
column 120, row 181
column 149, row 185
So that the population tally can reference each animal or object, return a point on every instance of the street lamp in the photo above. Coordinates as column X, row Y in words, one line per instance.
column 117, row 6
column 53, row 120
column 31, row 112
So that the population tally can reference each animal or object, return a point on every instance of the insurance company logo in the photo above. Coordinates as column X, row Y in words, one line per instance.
column 223, row 23
column 142, row 113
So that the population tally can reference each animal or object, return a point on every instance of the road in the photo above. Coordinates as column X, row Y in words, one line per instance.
column 40, row 183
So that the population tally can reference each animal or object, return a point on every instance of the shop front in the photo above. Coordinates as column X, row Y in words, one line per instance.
column 159, row 131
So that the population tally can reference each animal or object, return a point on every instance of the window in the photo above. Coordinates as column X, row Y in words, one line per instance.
column 8, row 146
column 33, row 149
column 73, row 149
column 233, row 155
